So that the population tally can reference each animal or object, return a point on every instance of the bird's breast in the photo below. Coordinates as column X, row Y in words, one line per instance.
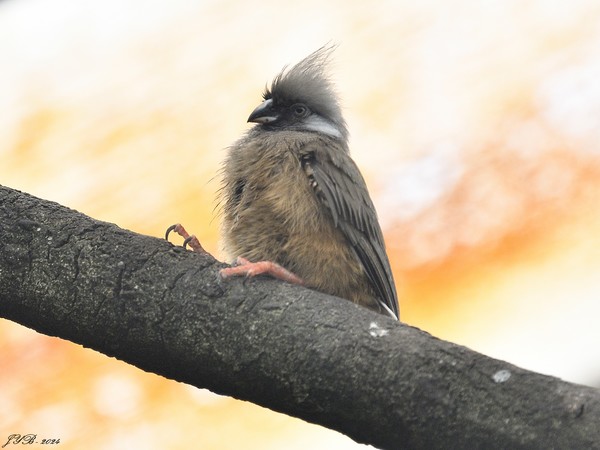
column 271, row 209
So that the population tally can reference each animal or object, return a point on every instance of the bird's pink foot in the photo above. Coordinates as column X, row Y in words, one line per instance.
column 188, row 239
column 252, row 269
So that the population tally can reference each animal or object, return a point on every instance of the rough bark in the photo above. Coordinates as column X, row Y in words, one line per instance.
column 300, row 352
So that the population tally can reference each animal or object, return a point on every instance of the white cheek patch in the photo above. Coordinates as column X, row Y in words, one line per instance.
column 321, row 125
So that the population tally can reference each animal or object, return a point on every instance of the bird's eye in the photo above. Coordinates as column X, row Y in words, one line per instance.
column 299, row 110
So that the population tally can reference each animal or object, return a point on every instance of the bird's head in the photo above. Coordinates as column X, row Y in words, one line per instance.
column 303, row 99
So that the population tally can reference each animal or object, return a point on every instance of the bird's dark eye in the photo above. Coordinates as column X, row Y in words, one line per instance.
column 299, row 110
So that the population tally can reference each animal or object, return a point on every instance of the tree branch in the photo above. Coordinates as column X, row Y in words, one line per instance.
column 297, row 351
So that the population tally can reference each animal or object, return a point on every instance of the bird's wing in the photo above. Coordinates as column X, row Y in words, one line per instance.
column 341, row 188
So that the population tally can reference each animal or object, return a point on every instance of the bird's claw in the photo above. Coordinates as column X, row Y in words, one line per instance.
column 188, row 239
column 251, row 269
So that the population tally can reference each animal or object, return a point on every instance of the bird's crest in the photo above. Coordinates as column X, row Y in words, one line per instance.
column 307, row 82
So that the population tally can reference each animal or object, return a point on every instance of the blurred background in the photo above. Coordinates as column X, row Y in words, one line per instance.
column 476, row 125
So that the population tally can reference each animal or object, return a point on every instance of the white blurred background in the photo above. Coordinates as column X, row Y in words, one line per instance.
column 476, row 125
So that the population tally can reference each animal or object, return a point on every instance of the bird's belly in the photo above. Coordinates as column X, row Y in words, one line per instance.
column 305, row 241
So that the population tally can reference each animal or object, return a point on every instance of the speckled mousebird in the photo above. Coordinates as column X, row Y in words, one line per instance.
column 295, row 205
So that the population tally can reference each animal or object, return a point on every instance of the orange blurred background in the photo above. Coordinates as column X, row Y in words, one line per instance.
column 476, row 125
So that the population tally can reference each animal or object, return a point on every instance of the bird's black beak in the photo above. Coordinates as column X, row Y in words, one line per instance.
column 264, row 113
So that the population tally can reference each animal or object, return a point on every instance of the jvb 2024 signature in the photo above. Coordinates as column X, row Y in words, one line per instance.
column 28, row 439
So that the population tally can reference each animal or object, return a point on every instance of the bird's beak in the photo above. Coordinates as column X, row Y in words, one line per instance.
column 264, row 113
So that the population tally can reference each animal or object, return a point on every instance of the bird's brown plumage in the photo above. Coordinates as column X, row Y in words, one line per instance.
column 293, row 195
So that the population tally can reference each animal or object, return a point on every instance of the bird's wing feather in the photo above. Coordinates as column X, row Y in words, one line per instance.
column 342, row 189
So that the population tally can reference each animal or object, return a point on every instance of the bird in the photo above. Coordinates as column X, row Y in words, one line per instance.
column 295, row 205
